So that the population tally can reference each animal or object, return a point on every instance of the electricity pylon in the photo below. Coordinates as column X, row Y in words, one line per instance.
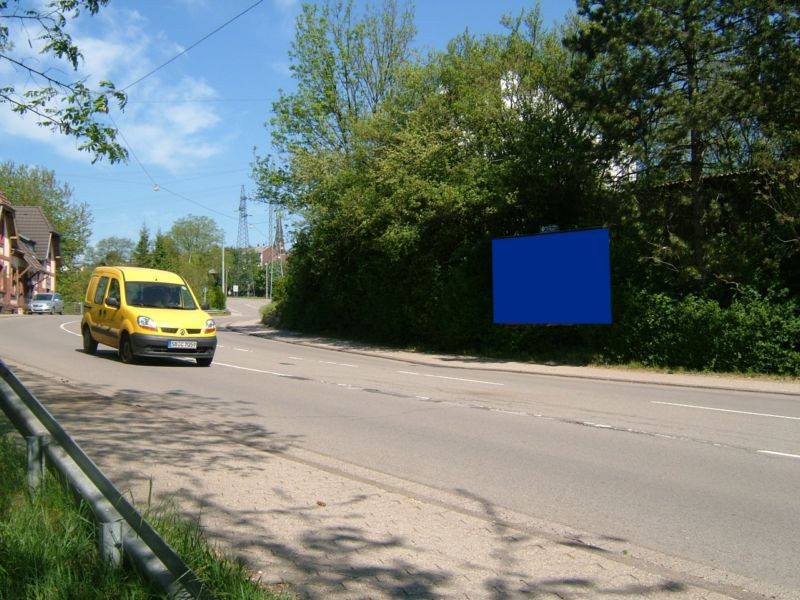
column 243, row 240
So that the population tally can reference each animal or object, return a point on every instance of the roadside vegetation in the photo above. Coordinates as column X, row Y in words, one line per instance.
column 675, row 126
column 49, row 549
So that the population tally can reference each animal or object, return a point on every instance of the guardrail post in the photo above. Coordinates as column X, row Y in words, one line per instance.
column 36, row 453
column 111, row 536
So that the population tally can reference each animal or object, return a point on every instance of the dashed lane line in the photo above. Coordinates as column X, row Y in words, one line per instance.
column 726, row 410
column 451, row 378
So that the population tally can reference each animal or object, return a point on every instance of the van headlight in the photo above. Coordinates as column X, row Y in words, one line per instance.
column 146, row 323
column 210, row 327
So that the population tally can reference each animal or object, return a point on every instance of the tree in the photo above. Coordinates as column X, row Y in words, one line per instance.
column 344, row 68
column 35, row 186
column 194, row 236
column 195, row 241
column 141, row 256
column 67, row 107
column 396, row 242
column 165, row 255
column 112, row 250
column 678, row 86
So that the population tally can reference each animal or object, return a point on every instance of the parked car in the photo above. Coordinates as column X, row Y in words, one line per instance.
column 146, row 312
column 46, row 303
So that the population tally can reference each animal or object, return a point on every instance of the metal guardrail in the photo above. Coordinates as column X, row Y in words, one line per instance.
column 122, row 528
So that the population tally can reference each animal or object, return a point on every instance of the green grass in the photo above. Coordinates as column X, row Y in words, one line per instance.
column 49, row 550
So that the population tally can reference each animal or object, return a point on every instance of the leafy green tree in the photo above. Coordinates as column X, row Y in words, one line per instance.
column 195, row 241
column 194, row 236
column 344, row 68
column 243, row 269
column 35, row 186
column 396, row 242
column 64, row 106
column 113, row 250
column 141, row 256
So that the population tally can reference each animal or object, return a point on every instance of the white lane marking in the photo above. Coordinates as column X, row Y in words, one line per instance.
column 725, row 410
column 294, row 358
column 771, row 453
column 242, row 350
column 598, row 425
column 63, row 328
column 451, row 378
column 505, row 411
column 329, row 362
column 219, row 364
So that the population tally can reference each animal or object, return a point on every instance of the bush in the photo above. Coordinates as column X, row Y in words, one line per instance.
column 216, row 298
column 755, row 334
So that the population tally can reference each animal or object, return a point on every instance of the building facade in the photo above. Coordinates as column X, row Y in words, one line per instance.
column 30, row 251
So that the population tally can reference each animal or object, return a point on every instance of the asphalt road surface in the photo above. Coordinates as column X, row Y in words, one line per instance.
column 710, row 476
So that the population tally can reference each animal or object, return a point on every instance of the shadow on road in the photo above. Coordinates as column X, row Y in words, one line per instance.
column 303, row 525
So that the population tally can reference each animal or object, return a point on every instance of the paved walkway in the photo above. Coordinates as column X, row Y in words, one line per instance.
column 322, row 529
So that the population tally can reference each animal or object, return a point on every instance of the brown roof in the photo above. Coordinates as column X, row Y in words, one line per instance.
column 33, row 224
column 25, row 249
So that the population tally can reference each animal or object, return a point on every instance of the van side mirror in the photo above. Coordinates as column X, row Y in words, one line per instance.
column 204, row 306
column 112, row 302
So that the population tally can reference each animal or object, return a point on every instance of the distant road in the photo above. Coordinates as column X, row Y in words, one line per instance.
column 708, row 476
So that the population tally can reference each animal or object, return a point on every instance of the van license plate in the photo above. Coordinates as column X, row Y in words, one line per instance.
column 183, row 344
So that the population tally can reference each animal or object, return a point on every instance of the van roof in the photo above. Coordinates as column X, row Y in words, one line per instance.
column 143, row 274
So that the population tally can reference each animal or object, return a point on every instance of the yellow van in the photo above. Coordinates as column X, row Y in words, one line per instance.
column 146, row 312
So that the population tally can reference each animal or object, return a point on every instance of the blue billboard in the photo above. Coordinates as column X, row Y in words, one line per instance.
column 552, row 278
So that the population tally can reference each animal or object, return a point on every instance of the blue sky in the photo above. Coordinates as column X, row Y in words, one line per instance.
column 192, row 127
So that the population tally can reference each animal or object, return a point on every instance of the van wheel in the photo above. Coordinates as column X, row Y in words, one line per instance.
column 204, row 362
column 126, row 350
column 89, row 343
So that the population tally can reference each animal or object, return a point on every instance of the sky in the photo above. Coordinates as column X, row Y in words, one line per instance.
column 194, row 127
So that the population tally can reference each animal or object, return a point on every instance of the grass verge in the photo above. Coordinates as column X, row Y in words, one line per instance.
column 49, row 550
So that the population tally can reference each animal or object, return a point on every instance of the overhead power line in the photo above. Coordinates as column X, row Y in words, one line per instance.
column 198, row 42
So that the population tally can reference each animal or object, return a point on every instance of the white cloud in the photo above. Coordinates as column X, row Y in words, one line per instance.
column 101, row 58
column 167, row 123
column 26, row 127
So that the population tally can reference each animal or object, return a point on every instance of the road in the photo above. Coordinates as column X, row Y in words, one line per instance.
column 704, row 475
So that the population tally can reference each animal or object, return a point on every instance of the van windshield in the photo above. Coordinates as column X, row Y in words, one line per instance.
column 159, row 295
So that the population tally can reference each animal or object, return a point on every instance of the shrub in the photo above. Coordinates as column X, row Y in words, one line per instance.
column 754, row 334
